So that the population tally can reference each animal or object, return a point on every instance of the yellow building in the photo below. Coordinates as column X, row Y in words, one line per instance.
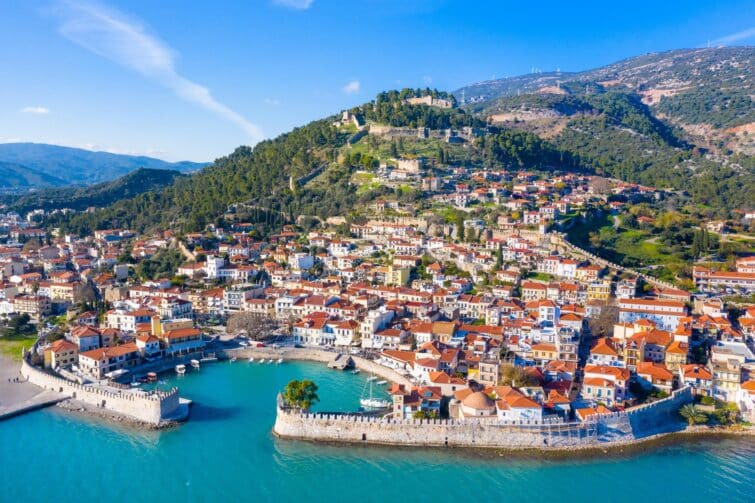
column 61, row 353
column 398, row 276
column 599, row 290
column 676, row 355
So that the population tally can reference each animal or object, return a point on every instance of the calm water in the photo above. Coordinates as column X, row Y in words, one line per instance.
column 227, row 450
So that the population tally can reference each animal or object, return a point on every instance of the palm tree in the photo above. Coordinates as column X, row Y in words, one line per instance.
column 692, row 414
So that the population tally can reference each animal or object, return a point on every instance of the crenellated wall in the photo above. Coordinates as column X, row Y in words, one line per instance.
column 149, row 408
column 609, row 429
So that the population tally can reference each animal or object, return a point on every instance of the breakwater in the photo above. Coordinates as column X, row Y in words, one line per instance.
column 152, row 408
column 616, row 429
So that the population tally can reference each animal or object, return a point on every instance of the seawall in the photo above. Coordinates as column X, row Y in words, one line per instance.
column 617, row 429
column 318, row 355
column 149, row 408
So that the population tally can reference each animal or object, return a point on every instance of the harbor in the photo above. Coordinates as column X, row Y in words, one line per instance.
column 234, row 405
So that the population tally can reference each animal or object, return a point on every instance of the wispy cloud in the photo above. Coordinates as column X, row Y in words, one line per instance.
column 352, row 87
column 272, row 102
column 295, row 4
column 112, row 35
column 747, row 34
column 36, row 110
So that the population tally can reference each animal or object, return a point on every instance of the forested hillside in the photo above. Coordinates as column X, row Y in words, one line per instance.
column 262, row 185
column 681, row 120
column 98, row 195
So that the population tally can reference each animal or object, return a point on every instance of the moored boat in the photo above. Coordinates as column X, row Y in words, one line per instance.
column 180, row 369
column 195, row 363
column 370, row 402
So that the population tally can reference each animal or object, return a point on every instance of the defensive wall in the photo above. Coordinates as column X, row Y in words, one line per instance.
column 621, row 428
column 150, row 408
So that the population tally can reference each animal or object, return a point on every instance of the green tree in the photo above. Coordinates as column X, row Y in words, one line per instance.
column 692, row 414
column 301, row 394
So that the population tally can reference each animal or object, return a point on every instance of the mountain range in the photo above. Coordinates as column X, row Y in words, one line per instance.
column 26, row 166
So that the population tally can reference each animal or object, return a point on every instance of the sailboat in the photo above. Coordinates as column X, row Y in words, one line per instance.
column 371, row 403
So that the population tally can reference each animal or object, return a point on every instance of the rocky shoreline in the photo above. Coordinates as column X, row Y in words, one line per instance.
column 82, row 409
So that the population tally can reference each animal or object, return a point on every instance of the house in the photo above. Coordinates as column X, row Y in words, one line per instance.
column 655, row 375
column 182, row 340
column 603, row 353
column 61, row 354
column 100, row 362
column 746, row 400
column 447, row 384
column 606, row 384
column 697, row 377
column 408, row 402
column 512, row 405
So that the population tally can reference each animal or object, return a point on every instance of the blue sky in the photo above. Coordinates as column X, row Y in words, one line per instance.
column 181, row 79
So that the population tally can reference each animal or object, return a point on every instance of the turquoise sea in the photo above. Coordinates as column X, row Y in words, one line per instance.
column 227, row 451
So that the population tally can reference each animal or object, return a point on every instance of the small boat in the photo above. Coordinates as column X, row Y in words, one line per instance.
column 233, row 359
column 151, row 377
column 381, row 383
column 135, row 384
column 180, row 369
column 195, row 363
column 251, row 359
column 372, row 378
column 355, row 371
column 280, row 360
column 371, row 403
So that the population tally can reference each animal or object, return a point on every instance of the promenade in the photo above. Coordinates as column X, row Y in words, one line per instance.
column 22, row 396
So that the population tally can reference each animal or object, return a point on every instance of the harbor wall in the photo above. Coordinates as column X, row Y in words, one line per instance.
column 148, row 408
column 621, row 428
column 321, row 356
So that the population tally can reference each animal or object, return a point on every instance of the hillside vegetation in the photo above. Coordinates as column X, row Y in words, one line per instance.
column 680, row 120
column 98, row 195
column 262, row 185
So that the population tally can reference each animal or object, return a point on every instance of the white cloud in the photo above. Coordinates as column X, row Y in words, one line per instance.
column 36, row 110
column 427, row 79
column 295, row 4
column 112, row 35
column 352, row 87
column 271, row 102
column 735, row 37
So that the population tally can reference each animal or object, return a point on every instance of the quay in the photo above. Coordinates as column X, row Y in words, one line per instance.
column 316, row 355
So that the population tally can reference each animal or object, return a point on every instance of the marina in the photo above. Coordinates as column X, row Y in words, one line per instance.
column 234, row 405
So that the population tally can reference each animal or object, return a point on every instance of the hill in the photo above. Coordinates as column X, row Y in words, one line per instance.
column 309, row 172
column 17, row 178
column 679, row 119
column 103, row 194
column 74, row 166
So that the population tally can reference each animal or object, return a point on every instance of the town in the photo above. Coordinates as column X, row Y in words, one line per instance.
column 493, row 316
